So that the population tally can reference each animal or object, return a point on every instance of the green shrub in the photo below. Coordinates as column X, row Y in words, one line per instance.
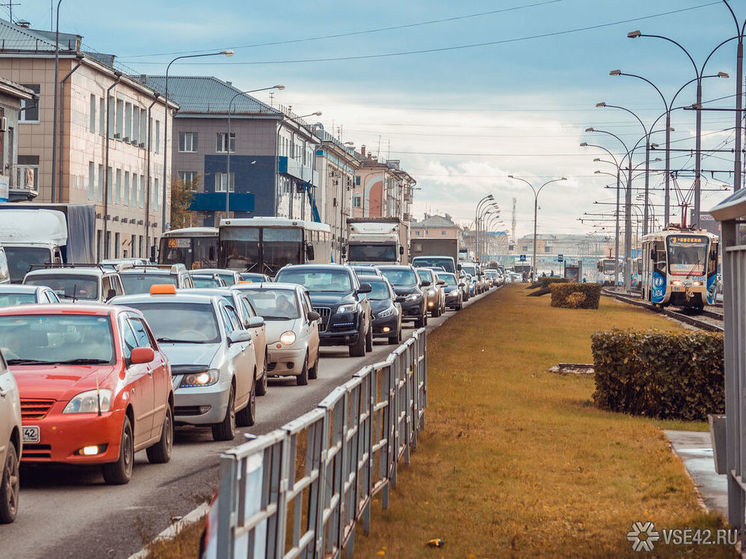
column 659, row 374
column 576, row 295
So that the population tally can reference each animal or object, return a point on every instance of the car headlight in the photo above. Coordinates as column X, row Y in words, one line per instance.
column 287, row 338
column 413, row 296
column 431, row 292
column 89, row 401
column 387, row 312
column 203, row 378
column 350, row 307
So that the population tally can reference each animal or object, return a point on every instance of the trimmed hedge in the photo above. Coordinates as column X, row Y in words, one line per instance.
column 659, row 374
column 576, row 295
column 546, row 282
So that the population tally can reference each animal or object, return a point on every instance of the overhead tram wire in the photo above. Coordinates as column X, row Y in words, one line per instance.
column 456, row 47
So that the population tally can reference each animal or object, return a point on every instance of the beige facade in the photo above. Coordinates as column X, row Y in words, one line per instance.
column 82, row 176
column 382, row 189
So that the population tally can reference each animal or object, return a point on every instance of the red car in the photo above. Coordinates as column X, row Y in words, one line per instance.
column 94, row 386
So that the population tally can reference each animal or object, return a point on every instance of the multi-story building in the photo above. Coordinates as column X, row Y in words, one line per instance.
column 435, row 227
column 272, row 151
column 336, row 164
column 12, row 95
column 109, row 144
column 382, row 189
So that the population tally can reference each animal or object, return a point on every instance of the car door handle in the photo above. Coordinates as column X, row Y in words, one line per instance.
column 150, row 372
column 3, row 393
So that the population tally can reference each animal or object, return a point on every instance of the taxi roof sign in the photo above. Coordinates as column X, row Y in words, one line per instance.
column 163, row 289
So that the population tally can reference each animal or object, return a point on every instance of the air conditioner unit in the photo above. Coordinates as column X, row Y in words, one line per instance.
column 3, row 124
column 115, row 218
column 142, row 144
column 117, row 135
column 127, row 139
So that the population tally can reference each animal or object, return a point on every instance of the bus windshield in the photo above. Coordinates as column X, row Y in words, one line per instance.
column 609, row 267
column 433, row 261
column 281, row 246
column 371, row 253
column 687, row 255
column 193, row 252
column 20, row 260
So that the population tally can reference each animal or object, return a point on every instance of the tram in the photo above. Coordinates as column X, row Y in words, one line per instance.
column 679, row 267
column 606, row 270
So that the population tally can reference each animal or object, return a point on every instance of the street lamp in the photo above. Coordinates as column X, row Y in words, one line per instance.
column 228, row 164
column 227, row 52
column 489, row 197
column 490, row 210
column 536, row 209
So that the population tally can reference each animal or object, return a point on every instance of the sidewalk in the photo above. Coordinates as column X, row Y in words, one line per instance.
column 695, row 450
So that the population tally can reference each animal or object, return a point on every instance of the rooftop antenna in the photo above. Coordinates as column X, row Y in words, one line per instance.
column 9, row 4
column 271, row 99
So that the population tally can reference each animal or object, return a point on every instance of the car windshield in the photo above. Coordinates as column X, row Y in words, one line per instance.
column 380, row 291
column 206, row 281
column 400, row 277
column 52, row 338
column 141, row 283
column 273, row 304
column 68, row 286
column 246, row 276
column 20, row 260
column 469, row 269
column 180, row 322
column 425, row 275
column 228, row 278
column 430, row 261
column 450, row 279
column 12, row 299
column 372, row 253
column 318, row 281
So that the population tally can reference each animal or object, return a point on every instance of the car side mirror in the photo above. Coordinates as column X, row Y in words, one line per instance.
column 255, row 322
column 401, row 250
column 111, row 294
column 424, row 283
column 142, row 355
column 313, row 316
column 239, row 336
column 365, row 288
column 441, row 282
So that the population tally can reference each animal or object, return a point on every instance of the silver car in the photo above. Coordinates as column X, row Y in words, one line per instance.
column 292, row 328
column 10, row 444
column 11, row 295
column 250, row 321
column 212, row 357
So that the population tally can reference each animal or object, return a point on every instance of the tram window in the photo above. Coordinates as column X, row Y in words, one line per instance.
column 660, row 256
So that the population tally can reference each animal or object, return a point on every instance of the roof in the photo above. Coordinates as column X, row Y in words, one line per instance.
column 81, row 270
column 179, row 297
column 60, row 308
column 19, row 288
column 274, row 222
column 15, row 89
column 435, row 221
column 14, row 38
column 266, row 285
column 206, row 94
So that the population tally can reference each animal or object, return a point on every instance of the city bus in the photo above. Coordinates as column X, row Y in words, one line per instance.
column 679, row 267
column 195, row 247
column 266, row 244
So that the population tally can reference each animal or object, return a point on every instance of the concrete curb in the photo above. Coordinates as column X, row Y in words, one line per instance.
column 175, row 529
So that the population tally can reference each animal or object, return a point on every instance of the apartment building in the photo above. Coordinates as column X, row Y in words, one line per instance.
column 12, row 95
column 435, row 227
column 336, row 163
column 382, row 189
column 109, row 145
column 271, row 151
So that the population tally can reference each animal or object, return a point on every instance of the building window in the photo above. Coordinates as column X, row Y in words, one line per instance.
column 416, row 233
column 100, row 183
column 118, row 193
column 156, row 195
column 187, row 178
column 110, row 117
column 127, row 122
column 135, row 125
column 187, row 142
column 91, row 180
column 30, row 107
column 443, row 233
column 143, row 127
column 222, row 140
column 116, row 245
column 126, row 197
column 109, row 186
column 102, row 116
column 221, row 180
column 27, row 171
column 357, row 181
column 142, row 191
column 120, row 118
column 157, row 136
column 92, row 115
column 356, row 202
column 99, row 245
column 134, row 190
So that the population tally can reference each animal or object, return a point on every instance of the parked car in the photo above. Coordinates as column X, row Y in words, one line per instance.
column 453, row 290
column 207, row 279
column 10, row 444
column 409, row 295
column 387, row 314
column 140, row 279
column 292, row 328
column 230, row 277
column 15, row 294
column 253, row 277
column 250, row 321
column 465, row 282
column 363, row 270
column 340, row 300
column 4, row 268
column 211, row 355
column 114, row 263
column 436, row 299
column 88, row 284
column 95, row 387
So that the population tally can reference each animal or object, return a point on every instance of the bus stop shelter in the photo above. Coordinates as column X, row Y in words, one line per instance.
column 731, row 214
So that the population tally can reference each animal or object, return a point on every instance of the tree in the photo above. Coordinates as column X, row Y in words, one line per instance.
column 181, row 198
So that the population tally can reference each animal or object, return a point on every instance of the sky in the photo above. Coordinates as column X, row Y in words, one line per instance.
column 464, row 94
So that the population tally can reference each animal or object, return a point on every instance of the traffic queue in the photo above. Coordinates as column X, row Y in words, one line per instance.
column 100, row 362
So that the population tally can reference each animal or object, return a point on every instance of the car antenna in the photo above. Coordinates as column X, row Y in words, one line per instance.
column 75, row 290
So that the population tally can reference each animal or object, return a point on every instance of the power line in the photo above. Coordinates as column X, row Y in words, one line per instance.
column 452, row 47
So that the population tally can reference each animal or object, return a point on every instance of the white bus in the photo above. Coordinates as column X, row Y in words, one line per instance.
column 195, row 247
column 266, row 244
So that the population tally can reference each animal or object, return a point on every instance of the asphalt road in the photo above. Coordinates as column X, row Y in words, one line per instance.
column 70, row 512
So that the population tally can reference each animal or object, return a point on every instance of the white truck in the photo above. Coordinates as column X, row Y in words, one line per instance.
column 377, row 240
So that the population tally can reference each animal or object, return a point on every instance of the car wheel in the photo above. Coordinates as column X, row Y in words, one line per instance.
column 424, row 318
column 358, row 348
column 160, row 453
column 395, row 337
column 369, row 339
column 313, row 372
column 261, row 388
column 247, row 416
column 302, row 378
column 226, row 429
column 10, row 487
column 120, row 472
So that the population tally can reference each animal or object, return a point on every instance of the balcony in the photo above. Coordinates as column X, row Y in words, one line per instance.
column 296, row 169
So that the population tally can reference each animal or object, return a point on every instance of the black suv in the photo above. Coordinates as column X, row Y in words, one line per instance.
column 341, row 301
column 407, row 286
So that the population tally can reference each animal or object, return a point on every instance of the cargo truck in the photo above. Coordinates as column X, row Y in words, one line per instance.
column 37, row 234
column 446, row 250
column 377, row 240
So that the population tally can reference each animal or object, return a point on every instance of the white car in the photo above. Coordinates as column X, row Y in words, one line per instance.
column 292, row 328
column 10, row 444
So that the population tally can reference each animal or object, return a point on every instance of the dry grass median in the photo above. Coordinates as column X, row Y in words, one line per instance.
column 515, row 461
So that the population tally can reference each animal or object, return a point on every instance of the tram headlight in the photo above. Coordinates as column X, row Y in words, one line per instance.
column 697, row 283
column 676, row 282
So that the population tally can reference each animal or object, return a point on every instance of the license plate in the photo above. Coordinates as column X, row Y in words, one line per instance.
column 30, row 434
